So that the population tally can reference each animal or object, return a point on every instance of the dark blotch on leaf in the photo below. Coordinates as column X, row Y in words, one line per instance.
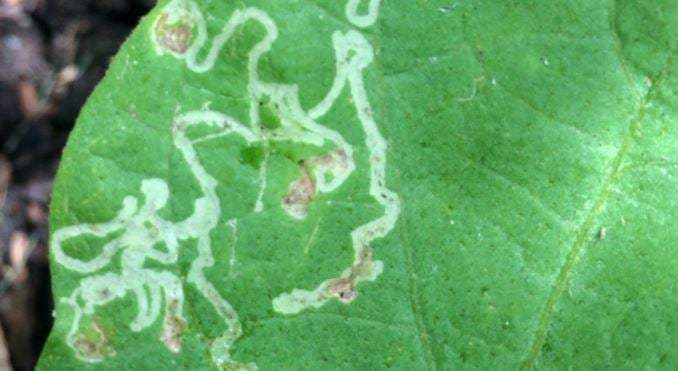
column 253, row 156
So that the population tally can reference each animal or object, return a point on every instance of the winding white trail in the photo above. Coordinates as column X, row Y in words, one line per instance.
column 140, row 230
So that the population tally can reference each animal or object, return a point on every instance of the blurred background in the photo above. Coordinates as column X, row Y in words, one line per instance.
column 52, row 55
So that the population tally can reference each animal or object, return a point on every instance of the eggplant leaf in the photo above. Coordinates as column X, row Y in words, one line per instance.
column 374, row 185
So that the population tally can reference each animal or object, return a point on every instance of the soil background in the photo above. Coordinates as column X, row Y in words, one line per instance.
column 52, row 55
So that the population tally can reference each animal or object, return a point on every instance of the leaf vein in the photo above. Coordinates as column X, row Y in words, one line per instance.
column 406, row 244
column 584, row 231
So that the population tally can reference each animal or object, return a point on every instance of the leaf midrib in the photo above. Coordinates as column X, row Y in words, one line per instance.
column 584, row 231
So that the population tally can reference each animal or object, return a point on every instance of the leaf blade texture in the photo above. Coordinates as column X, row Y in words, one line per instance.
column 374, row 185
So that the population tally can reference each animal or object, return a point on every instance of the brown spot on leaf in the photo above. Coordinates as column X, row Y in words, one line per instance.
column 93, row 345
column 301, row 193
column 172, row 328
column 343, row 290
column 175, row 37
column 298, row 197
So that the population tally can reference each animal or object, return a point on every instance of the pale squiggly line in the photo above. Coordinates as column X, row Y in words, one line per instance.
column 296, row 125
column 203, row 221
column 233, row 223
column 354, row 54
column 362, row 20
column 144, row 228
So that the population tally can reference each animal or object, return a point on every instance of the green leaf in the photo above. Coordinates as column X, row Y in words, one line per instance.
column 369, row 185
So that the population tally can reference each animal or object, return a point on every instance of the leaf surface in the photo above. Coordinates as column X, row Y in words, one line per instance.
column 372, row 185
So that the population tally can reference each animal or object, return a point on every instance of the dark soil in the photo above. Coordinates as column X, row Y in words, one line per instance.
column 52, row 55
